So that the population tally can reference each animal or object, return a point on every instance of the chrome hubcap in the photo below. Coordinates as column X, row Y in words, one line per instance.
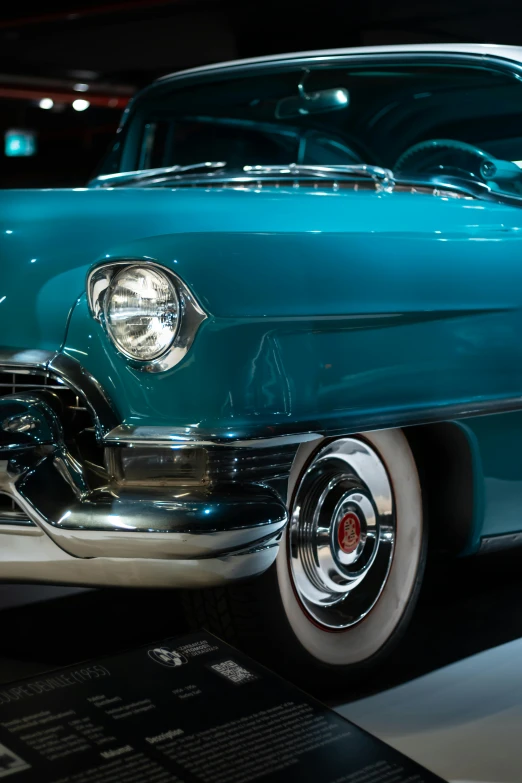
column 342, row 533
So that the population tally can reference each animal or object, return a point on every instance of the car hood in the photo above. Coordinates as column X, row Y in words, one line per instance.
column 275, row 251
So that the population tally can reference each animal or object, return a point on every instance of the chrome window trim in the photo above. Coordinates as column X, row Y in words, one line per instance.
column 470, row 50
column 340, row 58
column 500, row 62
column 486, row 56
column 191, row 316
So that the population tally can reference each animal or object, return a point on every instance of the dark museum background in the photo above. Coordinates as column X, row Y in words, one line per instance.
column 55, row 54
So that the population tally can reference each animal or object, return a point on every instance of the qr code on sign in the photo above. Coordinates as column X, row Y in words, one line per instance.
column 233, row 672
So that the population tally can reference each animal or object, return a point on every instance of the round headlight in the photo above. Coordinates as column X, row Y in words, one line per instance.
column 142, row 312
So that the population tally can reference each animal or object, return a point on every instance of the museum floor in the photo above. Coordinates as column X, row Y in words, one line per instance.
column 450, row 697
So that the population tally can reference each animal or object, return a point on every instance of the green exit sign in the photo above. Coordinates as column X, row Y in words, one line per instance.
column 19, row 143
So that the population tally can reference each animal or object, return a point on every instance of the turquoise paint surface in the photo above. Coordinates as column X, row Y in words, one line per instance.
column 497, row 465
column 48, row 239
column 321, row 305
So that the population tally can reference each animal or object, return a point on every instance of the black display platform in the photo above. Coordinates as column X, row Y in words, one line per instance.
column 190, row 709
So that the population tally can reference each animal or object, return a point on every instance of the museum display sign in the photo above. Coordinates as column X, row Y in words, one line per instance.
column 189, row 709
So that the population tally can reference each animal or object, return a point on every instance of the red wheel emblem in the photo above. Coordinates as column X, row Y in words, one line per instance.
column 349, row 532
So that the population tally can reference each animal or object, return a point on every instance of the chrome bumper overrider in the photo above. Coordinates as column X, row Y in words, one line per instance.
column 229, row 527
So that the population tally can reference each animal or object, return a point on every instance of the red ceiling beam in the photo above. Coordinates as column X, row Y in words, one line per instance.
column 82, row 13
column 105, row 101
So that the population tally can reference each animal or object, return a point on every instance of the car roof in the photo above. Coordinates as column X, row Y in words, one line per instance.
column 513, row 53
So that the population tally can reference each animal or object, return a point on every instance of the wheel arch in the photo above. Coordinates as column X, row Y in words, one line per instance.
column 445, row 461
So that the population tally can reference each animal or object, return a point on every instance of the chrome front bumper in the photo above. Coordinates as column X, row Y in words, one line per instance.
column 219, row 531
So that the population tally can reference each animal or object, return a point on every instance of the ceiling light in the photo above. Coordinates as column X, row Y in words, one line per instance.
column 80, row 104
column 81, row 87
column 85, row 76
column 46, row 103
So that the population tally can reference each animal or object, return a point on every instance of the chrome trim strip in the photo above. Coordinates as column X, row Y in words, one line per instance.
column 499, row 543
column 149, row 522
column 113, row 433
column 301, row 432
column 49, row 486
column 18, row 359
column 191, row 314
column 125, row 435
column 14, row 522
column 7, row 529
column 33, row 557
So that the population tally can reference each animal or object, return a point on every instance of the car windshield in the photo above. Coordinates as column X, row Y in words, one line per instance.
column 412, row 117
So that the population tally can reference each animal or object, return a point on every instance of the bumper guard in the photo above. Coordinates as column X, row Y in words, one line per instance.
column 229, row 530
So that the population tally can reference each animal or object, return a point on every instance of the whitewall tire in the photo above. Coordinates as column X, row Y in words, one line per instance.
column 349, row 568
column 361, row 641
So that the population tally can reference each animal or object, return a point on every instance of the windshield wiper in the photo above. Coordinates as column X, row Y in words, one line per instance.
column 218, row 171
column 161, row 174
column 384, row 177
column 167, row 174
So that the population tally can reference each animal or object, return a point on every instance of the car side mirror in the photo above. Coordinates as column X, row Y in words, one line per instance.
column 318, row 102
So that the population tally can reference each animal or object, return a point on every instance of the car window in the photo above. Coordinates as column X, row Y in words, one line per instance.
column 186, row 140
column 424, row 118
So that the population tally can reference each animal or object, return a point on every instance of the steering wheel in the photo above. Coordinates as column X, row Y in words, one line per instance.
column 446, row 156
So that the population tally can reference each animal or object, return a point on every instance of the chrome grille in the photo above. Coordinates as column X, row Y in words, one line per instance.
column 11, row 514
column 252, row 464
column 26, row 381
column 13, row 382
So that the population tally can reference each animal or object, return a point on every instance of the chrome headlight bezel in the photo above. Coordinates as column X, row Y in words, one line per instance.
column 118, row 329
column 191, row 314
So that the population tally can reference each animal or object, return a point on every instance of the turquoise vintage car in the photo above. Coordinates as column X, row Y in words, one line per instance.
column 277, row 333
